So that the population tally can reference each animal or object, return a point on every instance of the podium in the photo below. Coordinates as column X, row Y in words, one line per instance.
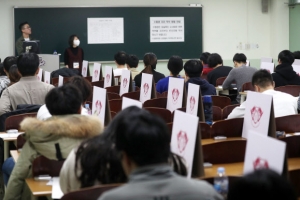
column 49, row 62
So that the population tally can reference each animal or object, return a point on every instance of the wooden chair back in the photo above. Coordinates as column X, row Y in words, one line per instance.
column 289, row 123
column 91, row 193
column 89, row 78
column 217, row 113
column 220, row 81
column 292, row 146
column 54, row 81
column 111, row 95
column 205, row 130
column 115, row 105
column 164, row 113
column 44, row 166
column 158, row 102
column 132, row 95
column 13, row 122
column 98, row 83
column 229, row 128
column 224, row 152
column 161, row 95
column 221, row 101
column 293, row 90
column 294, row 178
column 227, row 110
column 20, row 141
column 113, row 114
column 113, row 89
column 247, row 87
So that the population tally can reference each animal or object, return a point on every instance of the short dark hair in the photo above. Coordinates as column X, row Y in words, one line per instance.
column 150, row 59
column 28, row 63
column 260, row 185
column 262, row 78
column 64, row 100
column 71, row 40
column 132, row 61
column 175, row 65
column 297, row 54
column 21, row 25
column 193, row 68
column 286, row 57
column 204, row 56
column 143, row 136
column 240, row 58
column 83, row 85
column 214, row 59
column 2, row 73
column 120, row 57
column 9, row 61
column 14, row 74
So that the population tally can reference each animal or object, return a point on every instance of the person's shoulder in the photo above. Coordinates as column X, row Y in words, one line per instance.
column 116, row 194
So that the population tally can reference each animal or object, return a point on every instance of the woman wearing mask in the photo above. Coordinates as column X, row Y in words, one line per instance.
column 74, row 54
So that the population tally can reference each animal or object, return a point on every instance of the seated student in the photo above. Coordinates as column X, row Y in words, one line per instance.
column 84, row 87
column 4, row 80
column 132, row 63
column 120, row 60
column 14, row 75
column 297, row 55
column 261, row 184
column 29, row 90
column 203, row 58
column 66, row 129
column 144, row 144
column 5, row 66
column 284, row 73
column 240, row 74
column 150, row 61
column 193, row 71
column 215, row 61
column 96, row 161
column 175, row 65
column 284, row 104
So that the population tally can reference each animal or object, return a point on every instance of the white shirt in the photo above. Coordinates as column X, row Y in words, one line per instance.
column 44, row 114
column 284, row 104
column 118, row 71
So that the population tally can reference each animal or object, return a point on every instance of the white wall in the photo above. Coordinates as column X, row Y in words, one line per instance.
column 226, row 23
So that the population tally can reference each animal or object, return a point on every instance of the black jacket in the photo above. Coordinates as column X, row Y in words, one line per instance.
column 285, row 75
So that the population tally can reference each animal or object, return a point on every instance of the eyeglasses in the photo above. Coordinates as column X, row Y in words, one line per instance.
column 28, row 27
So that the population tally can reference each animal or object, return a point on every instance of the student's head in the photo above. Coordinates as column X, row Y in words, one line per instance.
column 64, row 100
column 193, row 68
column 175, row 65
column 120, row 57
column 28, row 64
column 83, row 85
column 132, row 61
column 8, row 62
column 150, row 60
column 203, row 57
column 214, row 60
column 262, row 80
column 260, row 185
column 25, row 28
column 286, row 57
column 73, row 41
column 297, row 54
column 142, row 138
column 13, row 74
column 2, row 73
column 239, row 59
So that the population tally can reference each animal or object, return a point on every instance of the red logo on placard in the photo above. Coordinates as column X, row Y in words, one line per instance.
column 38, row 77
column 98, row 106
column 192, row 103
column 96, row 73
column 256, row 114
column 84, row 71
column 182, row 141
column 47, row 82
column 125, row 81
column 107, row 78
column 146, row 88
column 260, row 163
column 175, row 95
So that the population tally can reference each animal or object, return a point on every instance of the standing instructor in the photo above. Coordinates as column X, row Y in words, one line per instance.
column 26, row 32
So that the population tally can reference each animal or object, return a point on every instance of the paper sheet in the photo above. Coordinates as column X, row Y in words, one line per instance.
column 56, row 191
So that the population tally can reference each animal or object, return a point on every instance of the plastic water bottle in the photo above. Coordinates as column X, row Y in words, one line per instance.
column 221, row 182
column 54, row 52
column 208, row 112
column 133, row 86
column 87, row 106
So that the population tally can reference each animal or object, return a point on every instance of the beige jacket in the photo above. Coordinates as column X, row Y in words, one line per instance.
column 41, row 136
column 29, row 90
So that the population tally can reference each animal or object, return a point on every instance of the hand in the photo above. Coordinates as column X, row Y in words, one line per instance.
column 67, row 66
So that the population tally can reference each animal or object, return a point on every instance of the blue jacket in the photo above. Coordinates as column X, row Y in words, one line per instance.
column 206, row 88
column 163, row 84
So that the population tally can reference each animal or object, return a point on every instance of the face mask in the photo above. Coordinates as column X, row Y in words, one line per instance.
column 76, row 42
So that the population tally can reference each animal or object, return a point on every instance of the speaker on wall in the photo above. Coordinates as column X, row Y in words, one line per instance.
column 264, row 6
